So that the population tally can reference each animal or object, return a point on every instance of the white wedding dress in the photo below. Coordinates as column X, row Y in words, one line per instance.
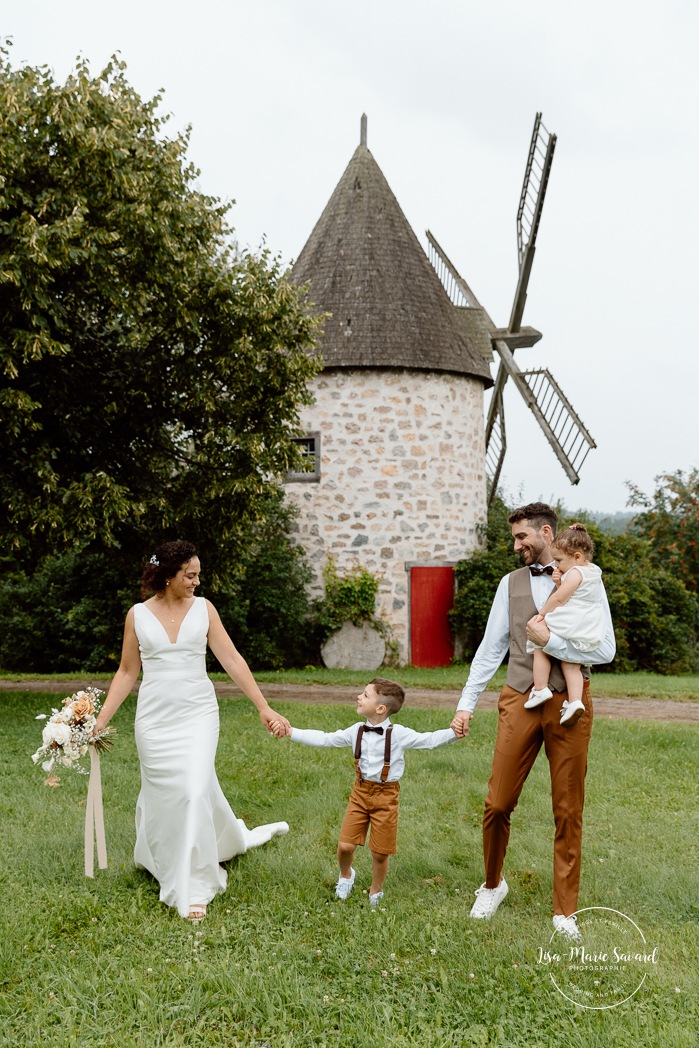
column 184, row 825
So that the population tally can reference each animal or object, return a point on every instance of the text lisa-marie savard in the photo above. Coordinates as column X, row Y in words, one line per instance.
column 579, row 955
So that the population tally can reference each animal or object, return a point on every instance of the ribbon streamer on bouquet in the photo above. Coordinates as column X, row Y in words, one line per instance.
column 94, row 818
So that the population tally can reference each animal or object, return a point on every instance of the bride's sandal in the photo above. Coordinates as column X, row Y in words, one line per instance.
column 197, row 912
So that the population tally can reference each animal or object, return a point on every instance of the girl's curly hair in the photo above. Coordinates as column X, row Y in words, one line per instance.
column 574, row 539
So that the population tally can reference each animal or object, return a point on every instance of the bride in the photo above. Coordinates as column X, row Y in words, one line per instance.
column 184, row 824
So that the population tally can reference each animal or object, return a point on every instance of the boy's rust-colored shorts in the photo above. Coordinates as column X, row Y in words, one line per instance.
column 372, row 804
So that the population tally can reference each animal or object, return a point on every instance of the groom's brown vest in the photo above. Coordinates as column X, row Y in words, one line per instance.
column 520, row 673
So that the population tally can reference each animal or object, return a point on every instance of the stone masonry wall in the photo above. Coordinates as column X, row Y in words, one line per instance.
column 402, row 478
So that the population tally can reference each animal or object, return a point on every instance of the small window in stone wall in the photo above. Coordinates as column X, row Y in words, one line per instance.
column 309, row 467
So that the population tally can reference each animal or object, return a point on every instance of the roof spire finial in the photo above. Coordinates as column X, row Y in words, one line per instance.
column 362, row 134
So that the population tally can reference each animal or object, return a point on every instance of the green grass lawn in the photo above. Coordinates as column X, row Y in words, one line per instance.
column 279, row 962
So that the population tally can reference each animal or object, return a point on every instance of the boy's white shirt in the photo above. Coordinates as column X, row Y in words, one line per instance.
column 373, row 745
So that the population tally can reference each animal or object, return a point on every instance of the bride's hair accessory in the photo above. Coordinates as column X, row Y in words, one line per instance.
column 164, row 564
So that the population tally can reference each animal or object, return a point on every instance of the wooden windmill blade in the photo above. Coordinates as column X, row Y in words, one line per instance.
column 531, row 203
column 561, row 425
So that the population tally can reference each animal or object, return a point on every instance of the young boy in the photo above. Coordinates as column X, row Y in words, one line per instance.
column 378, row 747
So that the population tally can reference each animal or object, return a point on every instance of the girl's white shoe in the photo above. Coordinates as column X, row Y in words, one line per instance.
column 571, row 712
column 537, row 697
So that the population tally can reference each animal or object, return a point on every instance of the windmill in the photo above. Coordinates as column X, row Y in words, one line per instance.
column 562, row 426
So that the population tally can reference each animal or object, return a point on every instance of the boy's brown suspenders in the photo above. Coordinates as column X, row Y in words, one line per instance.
column 386, row 753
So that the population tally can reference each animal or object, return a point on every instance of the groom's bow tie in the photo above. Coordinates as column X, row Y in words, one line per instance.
column 541, row 571
column 379, row 731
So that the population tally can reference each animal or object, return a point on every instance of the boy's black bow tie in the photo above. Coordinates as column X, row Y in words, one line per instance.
column 379, row 731
column 542, row 571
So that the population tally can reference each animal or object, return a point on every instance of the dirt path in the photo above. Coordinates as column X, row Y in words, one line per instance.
column 617, row 709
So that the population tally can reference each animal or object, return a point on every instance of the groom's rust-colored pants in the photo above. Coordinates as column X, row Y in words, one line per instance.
column 520, row 736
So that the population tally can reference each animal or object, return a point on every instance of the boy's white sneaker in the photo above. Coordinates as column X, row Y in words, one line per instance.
column 571, row 712
column 567, row 927
column 537, row 697
column 488, row 899
column 375, row 899
column 345, row 885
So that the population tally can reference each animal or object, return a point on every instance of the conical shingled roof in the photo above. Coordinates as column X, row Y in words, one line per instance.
column 365, row 267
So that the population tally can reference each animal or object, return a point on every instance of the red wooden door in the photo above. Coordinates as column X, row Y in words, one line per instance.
column 431, row 597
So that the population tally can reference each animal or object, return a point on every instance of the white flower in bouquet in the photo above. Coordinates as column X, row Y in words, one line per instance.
column 68, row 732
column 56, row 733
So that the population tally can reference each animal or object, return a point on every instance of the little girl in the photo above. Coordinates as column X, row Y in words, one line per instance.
column 573, row 611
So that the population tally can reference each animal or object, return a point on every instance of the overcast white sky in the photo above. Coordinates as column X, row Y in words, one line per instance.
column 274, row 91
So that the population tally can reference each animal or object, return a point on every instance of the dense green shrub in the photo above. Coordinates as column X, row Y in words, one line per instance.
column 68, row 615
column 655, row 616
column 348, row 598
column 351, row 598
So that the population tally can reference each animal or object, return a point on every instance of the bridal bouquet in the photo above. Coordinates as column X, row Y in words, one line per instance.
column 66, row 736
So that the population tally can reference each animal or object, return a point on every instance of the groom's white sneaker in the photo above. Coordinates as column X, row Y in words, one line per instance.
column 567, row 927
column 488, row 899
column 345, row 885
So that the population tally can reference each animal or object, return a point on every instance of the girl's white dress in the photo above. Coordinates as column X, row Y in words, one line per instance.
column 184, row 825
column 581, row 620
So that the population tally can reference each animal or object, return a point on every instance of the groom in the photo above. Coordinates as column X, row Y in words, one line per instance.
column 521, row 732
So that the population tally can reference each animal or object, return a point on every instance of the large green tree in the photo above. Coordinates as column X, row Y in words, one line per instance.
column 150, row 375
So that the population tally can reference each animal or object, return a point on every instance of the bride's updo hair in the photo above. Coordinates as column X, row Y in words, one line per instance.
column 166, row 561
column 575, row 539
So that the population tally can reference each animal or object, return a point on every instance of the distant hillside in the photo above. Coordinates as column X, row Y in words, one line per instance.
column 612, row 523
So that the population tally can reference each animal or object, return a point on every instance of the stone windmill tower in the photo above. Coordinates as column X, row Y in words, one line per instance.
column 395, row 443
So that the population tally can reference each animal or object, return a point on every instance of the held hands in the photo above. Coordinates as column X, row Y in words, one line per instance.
column 274, row 723
column 460, row 723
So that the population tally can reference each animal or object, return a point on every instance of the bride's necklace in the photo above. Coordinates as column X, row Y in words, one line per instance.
column 168, row 609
